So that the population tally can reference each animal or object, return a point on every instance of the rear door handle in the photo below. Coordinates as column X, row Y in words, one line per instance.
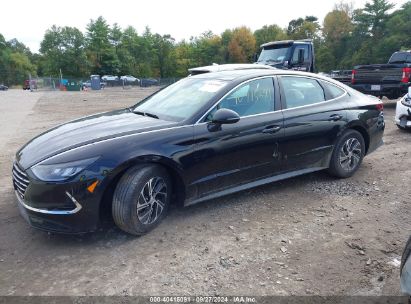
column 271, row 129
column 335, row 117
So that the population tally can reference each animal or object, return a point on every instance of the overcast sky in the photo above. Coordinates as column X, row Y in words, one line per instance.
column 27, row 20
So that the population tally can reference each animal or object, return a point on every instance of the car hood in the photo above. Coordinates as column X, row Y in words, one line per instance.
column 85, row 131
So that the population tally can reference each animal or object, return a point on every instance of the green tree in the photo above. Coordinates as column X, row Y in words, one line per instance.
column 15, row 64
column 373, row 17
column 101, row 53
column 63, row 49
column 336, row 33
column 269, row 33
column 163, row 49
column 206, row 49
column 303, row 28
column 242, row 45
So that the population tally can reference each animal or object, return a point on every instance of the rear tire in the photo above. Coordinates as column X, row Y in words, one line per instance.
column 347, row 155
column 141, row 198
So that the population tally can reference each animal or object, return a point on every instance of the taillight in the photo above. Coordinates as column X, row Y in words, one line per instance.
column 380, row 107
column 406, row 74
column 353, row 76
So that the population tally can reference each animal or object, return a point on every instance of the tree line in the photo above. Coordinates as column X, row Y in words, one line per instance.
column 346, row 37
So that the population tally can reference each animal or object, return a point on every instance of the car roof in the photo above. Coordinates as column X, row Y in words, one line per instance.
column 245, row 74
column 228, row 67
column 234, row 74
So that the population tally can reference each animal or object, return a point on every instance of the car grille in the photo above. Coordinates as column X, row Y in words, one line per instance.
column 20, row 180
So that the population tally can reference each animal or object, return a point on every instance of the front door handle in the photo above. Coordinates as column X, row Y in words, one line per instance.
column 335, row 117
column 271, row 129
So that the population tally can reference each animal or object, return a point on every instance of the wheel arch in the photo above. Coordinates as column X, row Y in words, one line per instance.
column 363, row 131
column 173, row 169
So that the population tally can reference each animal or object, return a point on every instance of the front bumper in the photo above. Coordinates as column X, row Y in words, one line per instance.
column 57, row 207
column 61, row 221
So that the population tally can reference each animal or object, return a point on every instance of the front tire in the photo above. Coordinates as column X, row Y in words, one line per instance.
column 348, row 154
column 141, row 199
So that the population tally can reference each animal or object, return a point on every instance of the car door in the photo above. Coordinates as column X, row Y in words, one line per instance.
column 238, row 153
column 314, row 115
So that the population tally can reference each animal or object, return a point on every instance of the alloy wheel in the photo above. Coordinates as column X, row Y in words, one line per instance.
column 152, row 200
column 350, row 154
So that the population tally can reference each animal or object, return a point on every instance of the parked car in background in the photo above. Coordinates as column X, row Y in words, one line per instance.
column 391, row 80
column 86, row 84
column 3, row 87
column 146, row 82
column 26, row 85
column 343, row 76
column 403, row 112
column 129, row 78
column 405, row 270
column 202, row 137
column 110, row 78
column 324, row 74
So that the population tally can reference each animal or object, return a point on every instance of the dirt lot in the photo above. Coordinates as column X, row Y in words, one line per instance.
column 307, row 235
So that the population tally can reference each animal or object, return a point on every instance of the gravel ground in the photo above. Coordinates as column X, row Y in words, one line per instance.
column 307, row 235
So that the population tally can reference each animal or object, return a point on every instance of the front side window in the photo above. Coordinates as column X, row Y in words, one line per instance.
column 301, row 91
column 253, row 97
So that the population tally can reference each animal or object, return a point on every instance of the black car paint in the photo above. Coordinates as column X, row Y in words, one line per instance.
column 203, row 163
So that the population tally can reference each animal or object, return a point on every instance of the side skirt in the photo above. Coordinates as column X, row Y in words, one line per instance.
column 253, row 184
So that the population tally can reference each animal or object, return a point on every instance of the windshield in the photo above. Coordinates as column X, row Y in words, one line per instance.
column 276, row 54
column 180, row 100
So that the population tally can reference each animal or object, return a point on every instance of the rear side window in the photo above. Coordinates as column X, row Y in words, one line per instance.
column 301, row 91
column 332, row 90
column 403, row 57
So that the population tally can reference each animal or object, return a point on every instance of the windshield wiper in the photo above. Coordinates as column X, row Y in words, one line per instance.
column 146, row 114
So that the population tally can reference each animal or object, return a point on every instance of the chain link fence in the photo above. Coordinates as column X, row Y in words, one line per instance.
column 78, row 84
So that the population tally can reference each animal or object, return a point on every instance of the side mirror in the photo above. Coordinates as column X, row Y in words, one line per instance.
column 409, row 92
column 225, row 116
column 301, row 56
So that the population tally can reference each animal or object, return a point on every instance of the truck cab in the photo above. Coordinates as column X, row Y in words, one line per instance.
column 288, row 54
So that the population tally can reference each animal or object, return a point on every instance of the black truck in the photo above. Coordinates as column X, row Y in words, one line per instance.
column 288, row 54
column 391, row 80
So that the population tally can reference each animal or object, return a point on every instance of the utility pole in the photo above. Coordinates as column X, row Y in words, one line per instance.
column 61, row 79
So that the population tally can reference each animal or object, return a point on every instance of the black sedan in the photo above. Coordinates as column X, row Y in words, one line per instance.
column 203, row 137
column 3, row 87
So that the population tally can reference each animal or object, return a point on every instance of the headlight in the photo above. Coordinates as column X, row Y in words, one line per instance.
column 62, row 171
column 406, row 101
